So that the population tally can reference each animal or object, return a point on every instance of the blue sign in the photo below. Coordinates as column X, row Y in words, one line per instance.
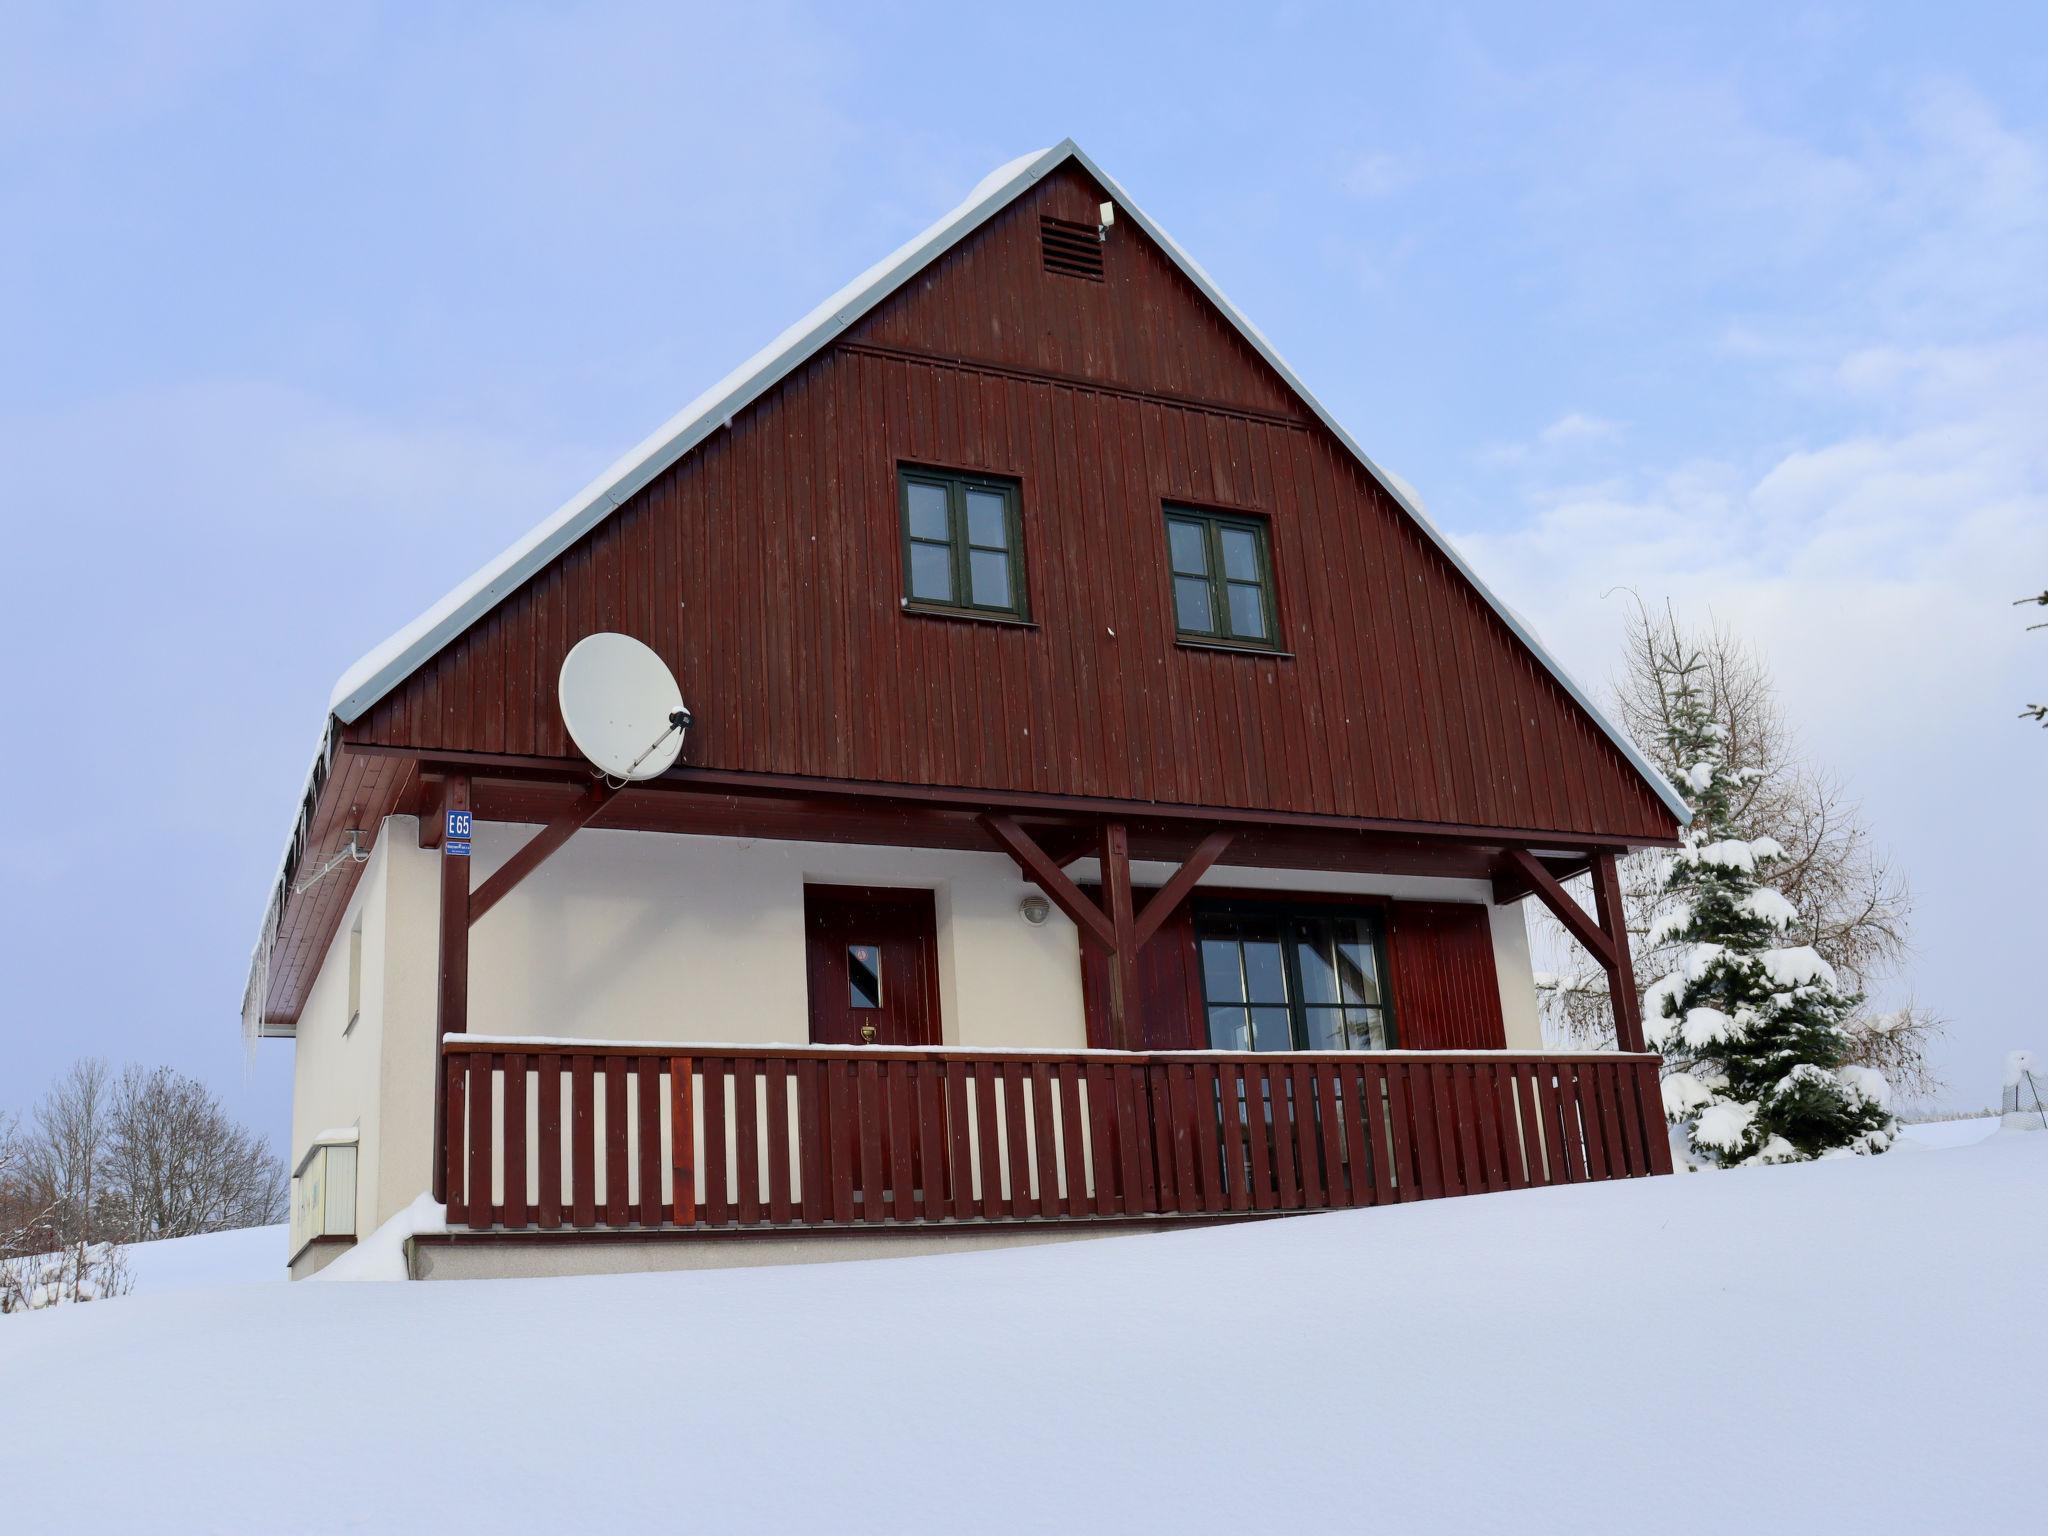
column 456, row 847
column 459, row 824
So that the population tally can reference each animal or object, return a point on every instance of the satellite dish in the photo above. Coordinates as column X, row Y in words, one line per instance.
column 622, row 707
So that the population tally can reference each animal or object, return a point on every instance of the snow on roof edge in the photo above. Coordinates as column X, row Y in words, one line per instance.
column 386, row 665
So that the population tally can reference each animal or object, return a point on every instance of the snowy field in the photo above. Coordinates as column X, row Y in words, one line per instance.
column 1848, row 1346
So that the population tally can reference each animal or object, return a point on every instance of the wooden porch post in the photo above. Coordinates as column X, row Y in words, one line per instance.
column 1621, row 971
column 1123, row 957
column 452, row 994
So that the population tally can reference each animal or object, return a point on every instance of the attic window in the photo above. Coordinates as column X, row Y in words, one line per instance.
column 1070, row 249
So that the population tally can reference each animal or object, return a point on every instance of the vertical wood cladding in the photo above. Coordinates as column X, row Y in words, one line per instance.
column 1446, row 991
column 766, row 569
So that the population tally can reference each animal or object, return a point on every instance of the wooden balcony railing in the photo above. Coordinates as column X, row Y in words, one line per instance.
column 554, row 1135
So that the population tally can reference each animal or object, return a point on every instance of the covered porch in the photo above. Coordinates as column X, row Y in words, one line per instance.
column 686, row 1139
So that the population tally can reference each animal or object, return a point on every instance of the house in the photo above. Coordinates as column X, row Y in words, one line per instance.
column 1108, row 802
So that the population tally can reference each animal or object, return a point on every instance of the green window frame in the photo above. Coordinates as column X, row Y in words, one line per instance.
column 1220, row 566
column 1294, row 976
column 963, row 544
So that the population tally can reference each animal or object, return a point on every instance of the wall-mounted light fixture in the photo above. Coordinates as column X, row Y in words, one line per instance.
column 1034, row 910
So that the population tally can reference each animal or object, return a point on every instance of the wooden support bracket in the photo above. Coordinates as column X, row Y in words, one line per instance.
column 542, row 846
column 1050, row 878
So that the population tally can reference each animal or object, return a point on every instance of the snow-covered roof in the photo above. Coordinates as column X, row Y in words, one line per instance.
column 390, row 663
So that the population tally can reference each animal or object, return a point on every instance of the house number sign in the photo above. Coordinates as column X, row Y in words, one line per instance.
column 456, row 843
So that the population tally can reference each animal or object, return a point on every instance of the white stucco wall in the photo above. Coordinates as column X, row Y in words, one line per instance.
column 642, row 936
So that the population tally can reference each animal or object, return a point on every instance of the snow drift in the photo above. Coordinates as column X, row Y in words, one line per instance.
column 1836, row 1346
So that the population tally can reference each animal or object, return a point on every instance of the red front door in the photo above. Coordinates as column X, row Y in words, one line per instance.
column 872, row 962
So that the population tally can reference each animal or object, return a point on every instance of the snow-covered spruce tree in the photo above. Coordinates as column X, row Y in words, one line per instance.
column 1752, row 1029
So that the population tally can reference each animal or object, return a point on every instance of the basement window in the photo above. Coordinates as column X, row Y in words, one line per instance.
column 963, row 545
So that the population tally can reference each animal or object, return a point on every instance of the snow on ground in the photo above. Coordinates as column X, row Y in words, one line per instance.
column 217, row 1258
column 1952, row 1133
column 1843, row 1346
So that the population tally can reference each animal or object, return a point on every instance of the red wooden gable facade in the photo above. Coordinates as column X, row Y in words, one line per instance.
column 1401, row 712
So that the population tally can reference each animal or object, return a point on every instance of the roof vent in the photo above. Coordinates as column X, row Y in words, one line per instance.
column 1070, row 249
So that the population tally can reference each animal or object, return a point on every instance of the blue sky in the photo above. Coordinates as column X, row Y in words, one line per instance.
column 307, row 311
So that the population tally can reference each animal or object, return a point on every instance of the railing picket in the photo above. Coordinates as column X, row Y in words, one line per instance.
column 872, row 1111
column 931, row 1140
column 1631, row 1120
column 550, row 1135
column 902, row 1139
column 1178, row 1081
column 1329, row 1112
column 988, row 1163
column 1010, row 1087
column 1561, row 1124
column 1208, row 1136
column 583, row 1140
column 1074, row 1159
column 1495, row 1140
column 717, row 1203
column 1656, row 1134
column 1258, row 1130
column 481, row 1142
column 1372, row 1132
column 515, row 1140
column 1469, row 1159
column 1407, row 1162
column 1044, row 1143
column 810, row 1136
column 1586, row 1090
column 842, row 1136
column 682, row 1130
column 1458, row 1178
column 1103, row 1160
column 1230, row 1114
column 1143, row 1191
column 1280, row 1106
column 647, row 1127
column 779, row 1199
column 960, row 1138
column 746, row 1141
column 615, row 1146
column 1514, row 1129
column 455, row 1133
column 1310, row 1165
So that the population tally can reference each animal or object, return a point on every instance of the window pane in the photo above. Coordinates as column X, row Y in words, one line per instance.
column 1221, row 980
column 1271, row 1030
column 863, row 976
column 1190, row 548
column 1358, row 966
column 1314, row 957
column 1228, row 1030
column 1265, row 976
column 927, row 505
column 1326, row 1029
column 1191, row 605
column 1247, row 611
column 988, row 521
column 1240, row 554
column 931, row 572
column 989, row 578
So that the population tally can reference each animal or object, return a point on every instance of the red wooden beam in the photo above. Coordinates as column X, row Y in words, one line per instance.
column 451, row 998
column 1554, row 896
column 1621, row 974
column 540, row 848
column 1170, row 895
column 1123, row 955
column 1051, row 879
